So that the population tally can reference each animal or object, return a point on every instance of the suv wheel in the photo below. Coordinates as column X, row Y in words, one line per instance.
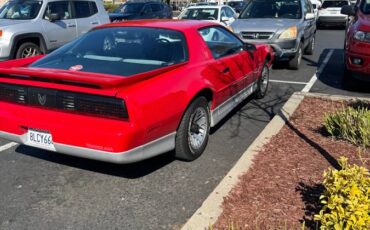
column 192, row 134
column 296, row 61
column 310, row 48
column 28, row 49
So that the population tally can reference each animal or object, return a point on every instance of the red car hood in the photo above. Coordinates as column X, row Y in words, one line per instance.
column 96, row 80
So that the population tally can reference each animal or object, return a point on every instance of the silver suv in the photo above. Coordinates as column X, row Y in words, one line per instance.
column 33, row 27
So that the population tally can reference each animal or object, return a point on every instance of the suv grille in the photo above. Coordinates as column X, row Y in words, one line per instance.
column 257, row 35
column 64, row 100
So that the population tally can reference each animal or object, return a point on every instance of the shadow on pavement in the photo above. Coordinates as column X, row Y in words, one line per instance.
column 333, row 74
column 130, row 171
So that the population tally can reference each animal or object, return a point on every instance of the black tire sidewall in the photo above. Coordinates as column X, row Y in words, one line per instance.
column 24, row 46
column 183, row 149
column 295, row 62
column 259, row 94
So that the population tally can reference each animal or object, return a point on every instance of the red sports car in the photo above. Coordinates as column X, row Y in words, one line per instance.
column 129, row 91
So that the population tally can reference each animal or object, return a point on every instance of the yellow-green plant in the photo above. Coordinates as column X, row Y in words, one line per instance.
column 350, row 124
column 346, row 201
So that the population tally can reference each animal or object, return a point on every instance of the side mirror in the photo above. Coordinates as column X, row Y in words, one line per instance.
column 348, row 10
column 225, row 19
column 249, row 47
column 309, row 16
column 54, row 17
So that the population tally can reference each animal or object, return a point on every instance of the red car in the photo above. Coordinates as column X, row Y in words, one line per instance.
column 129, row 91
column 357, row 43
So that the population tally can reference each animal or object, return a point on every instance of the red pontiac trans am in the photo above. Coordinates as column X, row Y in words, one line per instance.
column 128, row 91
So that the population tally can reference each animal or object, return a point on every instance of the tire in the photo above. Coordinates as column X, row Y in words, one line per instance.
column 263, row 82
column 28, row 49
column 311, row 47
column 187, row 148
column 296, row 61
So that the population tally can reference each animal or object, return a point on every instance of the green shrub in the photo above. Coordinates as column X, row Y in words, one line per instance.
column 346, row 198
column 350, row 124
column 110, row 7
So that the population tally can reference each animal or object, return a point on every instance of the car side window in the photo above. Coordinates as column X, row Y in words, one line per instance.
column 307, row 7
column 223, row 12
column 62, row 8
column 220, row 41
column 93, row 8
column 229, row 13
column 156, row 7
column 82, row 9
column 147, row 9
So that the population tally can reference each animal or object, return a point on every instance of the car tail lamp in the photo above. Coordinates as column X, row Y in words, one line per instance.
column 93, row 105
column 362, row 36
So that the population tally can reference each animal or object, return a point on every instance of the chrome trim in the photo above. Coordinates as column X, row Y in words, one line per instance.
column 148, row 150
column 222, row 110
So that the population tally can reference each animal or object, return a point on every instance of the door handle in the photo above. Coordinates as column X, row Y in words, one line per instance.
column 94, row 23
column 71, row 25
column 226, row 70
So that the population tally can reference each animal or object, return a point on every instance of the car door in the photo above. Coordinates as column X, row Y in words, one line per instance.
column 85, row 13
column 234, row 66
column 61, row 31
column 309, row 24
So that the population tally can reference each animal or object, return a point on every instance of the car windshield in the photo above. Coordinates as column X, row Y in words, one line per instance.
column 121, row 51
column 20, row 10
column 290, row 9
column 337, row 4
column 200, row 14
column 365, row 7
column 129, row 8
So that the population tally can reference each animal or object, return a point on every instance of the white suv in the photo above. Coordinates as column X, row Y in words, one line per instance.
column 329, row 14
column 33, row 27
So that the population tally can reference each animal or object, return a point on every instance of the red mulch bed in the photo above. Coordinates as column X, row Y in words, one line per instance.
column 282, row 188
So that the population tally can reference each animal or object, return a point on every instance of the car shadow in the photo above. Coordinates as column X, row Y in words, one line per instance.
column 335, row 76
column 130, row 171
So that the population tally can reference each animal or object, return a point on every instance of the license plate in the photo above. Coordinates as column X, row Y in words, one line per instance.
column 40, row 139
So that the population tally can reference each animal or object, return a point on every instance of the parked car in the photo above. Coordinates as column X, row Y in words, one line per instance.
column 223, row 15
column 238, row 6
column 141, row 10
column 289, row 26
column 33, row 27
column 329, row 14
column 356, row 47
column 129, row 91
column 316, row 4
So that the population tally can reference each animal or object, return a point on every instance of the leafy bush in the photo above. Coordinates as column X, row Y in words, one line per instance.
column 110, row 7
column 350, row 124
column 346, row 198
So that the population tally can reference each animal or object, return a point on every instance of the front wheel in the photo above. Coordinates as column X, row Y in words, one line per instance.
column 193, row 132
column 296, row 61
column 263, row 82
column 310, row 48
column 28, row 49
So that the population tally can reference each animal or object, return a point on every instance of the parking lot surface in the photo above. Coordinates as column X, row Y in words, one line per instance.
column 44, row 190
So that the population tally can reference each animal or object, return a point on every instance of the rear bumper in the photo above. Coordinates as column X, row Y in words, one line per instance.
column 140, row 153
column 96, row 138
column 332, row 20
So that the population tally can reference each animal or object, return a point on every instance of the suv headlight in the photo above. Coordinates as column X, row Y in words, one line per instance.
column 362, row 36
column 290, row 33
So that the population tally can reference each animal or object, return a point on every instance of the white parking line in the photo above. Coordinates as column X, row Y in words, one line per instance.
column 290, row 82
column 7, row 146
column 312, row 81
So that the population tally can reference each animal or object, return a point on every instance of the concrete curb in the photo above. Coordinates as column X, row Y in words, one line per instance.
column 211, row 208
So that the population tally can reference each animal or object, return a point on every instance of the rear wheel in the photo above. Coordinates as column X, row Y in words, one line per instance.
column 296, row 61
column 28, row 49
column 263, row 82
column 193, row 132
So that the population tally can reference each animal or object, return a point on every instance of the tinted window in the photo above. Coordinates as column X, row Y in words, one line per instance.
column 200, row 14
column 121, row 51
column 93, row 7
column 334, row 4
column 229, row 13
column 147, row 9
column 129, row 8
column 20, row 10
column 220, row 41
column 365, row 6
column 156, row 7
column 61, row 8
column 82, row 9
column 273, row 9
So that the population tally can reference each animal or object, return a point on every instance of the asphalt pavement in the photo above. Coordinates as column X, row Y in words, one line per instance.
column 44, row 190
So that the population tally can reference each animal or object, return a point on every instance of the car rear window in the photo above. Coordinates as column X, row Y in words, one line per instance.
column 338, row 4
column 365, row 7
column 200, row 14
column 121, row 51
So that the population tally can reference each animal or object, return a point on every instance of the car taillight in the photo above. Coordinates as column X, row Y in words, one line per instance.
column 92, row 104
